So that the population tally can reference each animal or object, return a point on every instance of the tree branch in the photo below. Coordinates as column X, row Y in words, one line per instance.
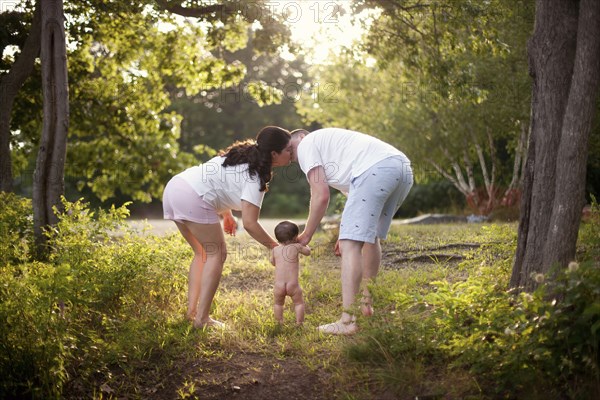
column 491, row 190
column 481, row 157
column 469, row 169
column 10, row 84
column 517, row 164
column 525, row 154
column 176, row 7
column 446, row 175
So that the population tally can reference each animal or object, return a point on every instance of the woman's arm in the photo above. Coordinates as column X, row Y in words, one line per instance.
column 250, row 214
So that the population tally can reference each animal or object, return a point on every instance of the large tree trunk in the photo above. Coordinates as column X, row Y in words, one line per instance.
column 9, row 87
column 48, row 180
column 565, row 65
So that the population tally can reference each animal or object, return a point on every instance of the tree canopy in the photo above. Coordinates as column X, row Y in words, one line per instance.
column 125, row 61
column 444, row 81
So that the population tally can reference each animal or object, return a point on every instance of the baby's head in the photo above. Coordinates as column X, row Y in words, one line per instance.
column 286, row 232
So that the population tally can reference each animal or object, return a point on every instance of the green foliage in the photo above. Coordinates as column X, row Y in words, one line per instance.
column 437, row 79
column 549, row 337
column 127, row 62
column 593, row 165
column 217, row 116
column 109, row 302
column 16, row 228
column 590, row 232
column 100, row 301
column 539, row 345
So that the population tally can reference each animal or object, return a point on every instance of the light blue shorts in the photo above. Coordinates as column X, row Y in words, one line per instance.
column 373, row 199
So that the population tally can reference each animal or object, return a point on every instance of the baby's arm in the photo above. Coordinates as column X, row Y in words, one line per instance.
column 305, row 250
column 272, row 256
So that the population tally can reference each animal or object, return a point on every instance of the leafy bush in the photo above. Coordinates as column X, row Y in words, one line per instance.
column 100, row 301
column 544, row 341
column 539, row 345
column 589, row 244
column 108, row 299
column 16, row 228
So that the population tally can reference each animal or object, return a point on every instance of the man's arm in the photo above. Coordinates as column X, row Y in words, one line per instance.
column 319, row 200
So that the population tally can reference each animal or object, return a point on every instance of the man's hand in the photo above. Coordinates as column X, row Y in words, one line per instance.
column 337, row 250
column 304, row 238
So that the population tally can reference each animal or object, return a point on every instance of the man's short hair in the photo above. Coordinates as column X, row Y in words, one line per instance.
column 296, row 132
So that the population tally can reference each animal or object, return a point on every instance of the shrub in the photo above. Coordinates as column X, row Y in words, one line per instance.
column 16, row 228
column 105, row 297
column 539, row 345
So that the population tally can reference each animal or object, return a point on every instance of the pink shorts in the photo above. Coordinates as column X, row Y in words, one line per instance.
column 182, row 203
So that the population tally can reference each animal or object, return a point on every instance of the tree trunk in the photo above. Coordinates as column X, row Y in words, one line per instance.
column 564, row 60
column 48, row 180
column 9, row 88
column 573, row 150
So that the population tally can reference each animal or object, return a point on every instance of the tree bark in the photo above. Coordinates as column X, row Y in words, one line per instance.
column 10, row 84
column 573, row 148
column 564, row 66
column 48, row 180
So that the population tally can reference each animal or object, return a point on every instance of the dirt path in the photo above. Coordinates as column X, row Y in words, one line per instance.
column 246, row 376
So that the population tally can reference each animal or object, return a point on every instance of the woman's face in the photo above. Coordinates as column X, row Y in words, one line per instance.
column 282, row 158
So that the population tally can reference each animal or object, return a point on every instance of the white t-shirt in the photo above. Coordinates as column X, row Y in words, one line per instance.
column 224, row 188
column 343, row 154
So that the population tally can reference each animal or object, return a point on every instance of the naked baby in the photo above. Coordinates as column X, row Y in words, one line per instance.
column 285, row 259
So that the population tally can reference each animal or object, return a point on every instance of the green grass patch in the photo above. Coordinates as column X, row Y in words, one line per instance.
column 103, row 317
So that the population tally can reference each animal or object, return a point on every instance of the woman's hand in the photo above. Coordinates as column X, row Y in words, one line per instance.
column 229, row 223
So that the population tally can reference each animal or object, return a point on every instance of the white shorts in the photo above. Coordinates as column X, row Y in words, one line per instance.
column 373, row 199
column 182, row 203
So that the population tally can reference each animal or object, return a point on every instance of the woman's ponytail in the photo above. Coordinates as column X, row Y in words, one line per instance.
column 257, row 153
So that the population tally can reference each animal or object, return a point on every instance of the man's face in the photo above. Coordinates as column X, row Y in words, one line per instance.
column 295, row 142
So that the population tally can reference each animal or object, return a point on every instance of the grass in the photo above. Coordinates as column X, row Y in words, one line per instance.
column 104, row 318
column 244, row 302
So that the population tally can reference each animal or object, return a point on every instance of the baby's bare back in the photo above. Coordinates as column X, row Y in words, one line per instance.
column 286, row 264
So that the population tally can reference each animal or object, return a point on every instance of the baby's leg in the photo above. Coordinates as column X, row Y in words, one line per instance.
column 296, row 295
column 279, row 297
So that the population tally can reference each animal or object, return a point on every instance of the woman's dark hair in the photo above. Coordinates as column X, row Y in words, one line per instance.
column 257, row 153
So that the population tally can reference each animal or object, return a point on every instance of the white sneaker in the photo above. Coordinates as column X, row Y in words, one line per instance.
column 339, row 328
